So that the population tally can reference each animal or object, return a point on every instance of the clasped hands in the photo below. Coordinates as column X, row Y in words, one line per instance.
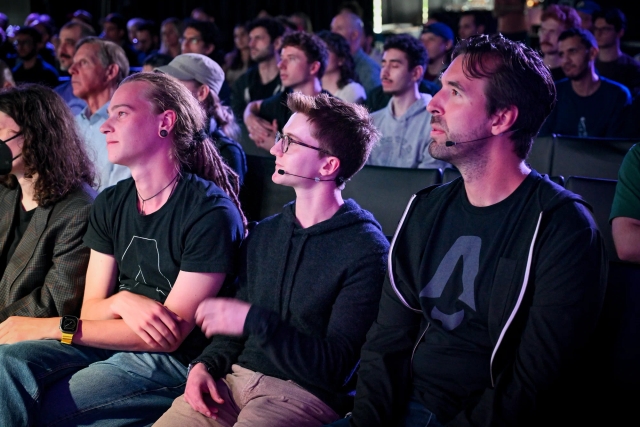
column 157, row 325
column 261, row 131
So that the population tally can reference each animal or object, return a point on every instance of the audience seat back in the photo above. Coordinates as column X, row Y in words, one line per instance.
column 260, row 197
column 450, row 174
column 541, row 154
column 385, row 191
column 599, row 194
column 592, row 157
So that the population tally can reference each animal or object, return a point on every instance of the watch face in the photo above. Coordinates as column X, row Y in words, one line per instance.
column 69, row 324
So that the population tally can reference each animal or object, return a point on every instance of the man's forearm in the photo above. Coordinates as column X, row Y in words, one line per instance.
column 626, row 237
column 114, row 334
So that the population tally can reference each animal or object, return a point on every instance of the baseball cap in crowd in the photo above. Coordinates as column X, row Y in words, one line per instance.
column 440, row 30
column 589, row 7
column 194, row 66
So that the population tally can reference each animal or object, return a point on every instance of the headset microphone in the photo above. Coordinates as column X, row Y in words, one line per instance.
column 316, row 179
column 452, row 143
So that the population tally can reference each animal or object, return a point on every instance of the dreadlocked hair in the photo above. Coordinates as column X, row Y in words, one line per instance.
column 193, row 149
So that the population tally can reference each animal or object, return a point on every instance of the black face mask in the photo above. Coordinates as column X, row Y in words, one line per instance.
column 4, row 142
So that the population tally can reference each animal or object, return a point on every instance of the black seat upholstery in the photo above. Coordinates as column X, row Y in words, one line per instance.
column 592, row 157
column 450, row 174
column 599, row 194
column 259, row 196
column 385, row 191
column 541, row 154
column 558, row 179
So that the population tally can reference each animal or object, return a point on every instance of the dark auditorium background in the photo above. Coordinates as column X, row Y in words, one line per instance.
column 229, row 12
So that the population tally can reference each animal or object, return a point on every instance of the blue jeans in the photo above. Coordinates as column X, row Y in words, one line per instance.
column 417, row 416
column 53, row 384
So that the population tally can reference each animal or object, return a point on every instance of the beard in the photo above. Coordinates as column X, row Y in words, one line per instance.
column 462, row 152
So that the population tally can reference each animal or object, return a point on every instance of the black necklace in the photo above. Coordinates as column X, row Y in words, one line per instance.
column 175, row 179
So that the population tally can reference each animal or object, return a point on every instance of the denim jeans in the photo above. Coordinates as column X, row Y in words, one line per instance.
column 417, row 416
column 47, row 383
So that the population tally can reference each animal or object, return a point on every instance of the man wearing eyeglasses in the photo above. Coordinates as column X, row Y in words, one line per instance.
column 612, row 63
column 203, row 37
column 32, row 69
column 303, row 60
column 284, row 351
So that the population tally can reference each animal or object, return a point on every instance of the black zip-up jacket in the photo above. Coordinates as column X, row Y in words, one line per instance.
column 545, row 300
column 314, row 293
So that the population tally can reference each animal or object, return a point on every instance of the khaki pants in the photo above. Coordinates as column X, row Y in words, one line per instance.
column 256, row 400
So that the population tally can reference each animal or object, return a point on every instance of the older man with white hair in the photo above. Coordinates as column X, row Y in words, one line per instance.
column 350, row 26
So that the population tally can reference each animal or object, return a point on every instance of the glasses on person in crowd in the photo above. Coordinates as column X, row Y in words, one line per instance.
column 287, row 141
column 190, row 40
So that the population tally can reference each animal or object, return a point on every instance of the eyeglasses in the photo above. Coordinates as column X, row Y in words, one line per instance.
column 287, row 141
column 190, row 40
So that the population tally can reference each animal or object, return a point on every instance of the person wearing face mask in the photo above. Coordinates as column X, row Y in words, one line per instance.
column 44, row 207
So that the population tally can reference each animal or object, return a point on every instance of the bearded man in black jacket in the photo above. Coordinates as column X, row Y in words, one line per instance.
column 495, row 280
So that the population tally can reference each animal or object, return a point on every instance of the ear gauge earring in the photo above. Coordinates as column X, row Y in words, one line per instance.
column 163, row 133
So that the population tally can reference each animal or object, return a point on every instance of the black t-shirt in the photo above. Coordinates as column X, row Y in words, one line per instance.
column 42, row 73
column 461, row 263
column 557, row 73
column 198, row 229
column 601, row 114
column 275, row 107
column 21, row 222
column 249, row 88
column 624, row 70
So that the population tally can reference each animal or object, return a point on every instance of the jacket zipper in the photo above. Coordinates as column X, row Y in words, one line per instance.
column 415, row 347
column 523, row 289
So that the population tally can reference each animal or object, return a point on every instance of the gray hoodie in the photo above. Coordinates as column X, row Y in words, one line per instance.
column 405, row 139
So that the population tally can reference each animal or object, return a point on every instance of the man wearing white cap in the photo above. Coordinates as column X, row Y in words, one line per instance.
column 204, row 78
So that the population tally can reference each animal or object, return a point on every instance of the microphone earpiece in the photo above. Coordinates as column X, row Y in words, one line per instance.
column 449, row 143
column 316, row 179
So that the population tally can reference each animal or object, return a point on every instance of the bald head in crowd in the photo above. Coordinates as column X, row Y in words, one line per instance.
column 349, row 26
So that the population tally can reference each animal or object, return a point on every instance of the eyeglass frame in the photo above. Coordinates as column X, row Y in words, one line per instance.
column 190, row 40
column 285, row 145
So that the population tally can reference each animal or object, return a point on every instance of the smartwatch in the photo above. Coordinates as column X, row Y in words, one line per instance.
column 194, row 363
column 68, row 327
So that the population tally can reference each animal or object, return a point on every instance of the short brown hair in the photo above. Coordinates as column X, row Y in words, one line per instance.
column 516, row 76
column 313, row 47
column 565, row 15
column 341, row 128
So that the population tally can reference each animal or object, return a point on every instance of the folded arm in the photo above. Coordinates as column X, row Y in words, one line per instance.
column 125, row 321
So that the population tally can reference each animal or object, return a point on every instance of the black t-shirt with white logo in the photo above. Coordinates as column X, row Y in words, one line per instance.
column 198, row 229
column 460, row 266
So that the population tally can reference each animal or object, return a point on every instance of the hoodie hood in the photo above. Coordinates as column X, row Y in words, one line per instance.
column 348, row 214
